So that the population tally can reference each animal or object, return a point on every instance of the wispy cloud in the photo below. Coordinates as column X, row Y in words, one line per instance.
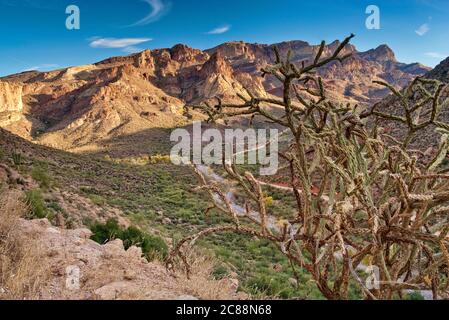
column 159, row 8
column 436, row 55
column 423, row 29
column 114, row 43
column 220, row 30
column 46, row 66
column 132, row 49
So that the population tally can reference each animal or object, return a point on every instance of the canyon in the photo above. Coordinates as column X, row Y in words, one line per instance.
column 131, row 104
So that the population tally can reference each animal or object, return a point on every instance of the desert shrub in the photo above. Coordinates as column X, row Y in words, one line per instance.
column 152, row 246
column 269, row 201
column 267, row 286
column 55, row 206
column 36, row 203
column 220, row 271
column 97, row 199
column 145, row 160
column 414, row 296
column 41, row 176
column 103, row 233
column 159, row 159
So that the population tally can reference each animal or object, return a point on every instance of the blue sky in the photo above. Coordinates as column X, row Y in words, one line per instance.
column 34, row 36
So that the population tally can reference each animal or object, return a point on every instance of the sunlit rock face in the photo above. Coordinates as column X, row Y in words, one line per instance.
column 11, row 104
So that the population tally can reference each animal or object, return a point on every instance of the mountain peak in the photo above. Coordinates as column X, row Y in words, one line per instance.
column 181, row 48
column 334, row 44
column 382, row 53
column 217, row 64
column 185, row 54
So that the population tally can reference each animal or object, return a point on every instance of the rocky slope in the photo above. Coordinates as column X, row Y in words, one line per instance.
column 429, row 139
column 54, row 258
column 81, row 269
column 78, row 107
column 441, row 72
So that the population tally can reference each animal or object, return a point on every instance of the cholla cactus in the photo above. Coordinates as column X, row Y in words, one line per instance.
column 17, row 158
column 380, row 203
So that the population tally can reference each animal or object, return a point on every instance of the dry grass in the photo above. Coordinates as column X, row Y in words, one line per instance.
column 201, row 282
column 122, row 279
column 22, row 269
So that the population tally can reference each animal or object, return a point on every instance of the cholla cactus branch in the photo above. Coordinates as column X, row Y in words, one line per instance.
column 364, row 198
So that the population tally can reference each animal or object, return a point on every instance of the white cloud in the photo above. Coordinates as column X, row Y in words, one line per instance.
column 132, row 49
column 423, row 29
column 158, row 9
column 41, row 67
column 436, row 55
column 220, row 30
column 116, row 43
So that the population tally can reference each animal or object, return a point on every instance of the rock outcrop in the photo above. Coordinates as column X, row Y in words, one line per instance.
column 11, row 105
column 81, row 269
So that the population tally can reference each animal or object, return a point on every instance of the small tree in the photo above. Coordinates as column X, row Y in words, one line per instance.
column 380, row 203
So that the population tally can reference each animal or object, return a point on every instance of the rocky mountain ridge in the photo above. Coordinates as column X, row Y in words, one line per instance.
column 440, row 72
column 80, row 106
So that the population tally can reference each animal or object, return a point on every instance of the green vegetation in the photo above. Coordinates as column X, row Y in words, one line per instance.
column 263, row 271
column 36, row 203
column 40, row 175
column 414, row 296
column 141, row 160
column 96, row 199
column 17, row 158
column 152, row 247
column 145, row 191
